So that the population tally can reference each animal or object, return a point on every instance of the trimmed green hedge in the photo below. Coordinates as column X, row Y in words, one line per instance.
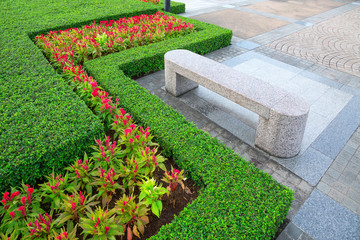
column 239, row 201
column 43, row 124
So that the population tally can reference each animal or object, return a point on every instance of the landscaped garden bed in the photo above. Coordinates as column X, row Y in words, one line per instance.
column 46, row 126
column 117, row 192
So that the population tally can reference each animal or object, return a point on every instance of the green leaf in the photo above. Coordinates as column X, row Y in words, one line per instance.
column 142, row 195
column 155, row 210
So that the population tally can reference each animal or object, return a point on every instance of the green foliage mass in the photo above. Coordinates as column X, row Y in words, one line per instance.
column 44, row 125
column 239, row 200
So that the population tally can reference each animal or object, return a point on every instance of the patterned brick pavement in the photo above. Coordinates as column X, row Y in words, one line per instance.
column 334, row 43
column 341, row 182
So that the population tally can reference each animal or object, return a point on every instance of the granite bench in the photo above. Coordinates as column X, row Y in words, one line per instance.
column 282, row 115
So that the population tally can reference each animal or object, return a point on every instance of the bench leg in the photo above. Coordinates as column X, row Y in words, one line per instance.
column 177, row 84
column 281, row 135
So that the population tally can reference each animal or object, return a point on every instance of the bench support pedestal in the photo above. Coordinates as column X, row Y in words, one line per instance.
column 280, row 135
column 177, row 84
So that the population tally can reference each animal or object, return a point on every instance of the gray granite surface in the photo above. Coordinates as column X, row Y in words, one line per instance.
column 324, row 219
column 282, row 115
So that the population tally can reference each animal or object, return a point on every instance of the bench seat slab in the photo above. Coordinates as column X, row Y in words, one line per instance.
column 282, row 115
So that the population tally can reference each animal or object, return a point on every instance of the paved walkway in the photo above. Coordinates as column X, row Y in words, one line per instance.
column 311, row 48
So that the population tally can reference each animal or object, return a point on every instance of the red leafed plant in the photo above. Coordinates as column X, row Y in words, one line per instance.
column 174, row 178
column 152, row 1
column 75, row 45
column 68, row 49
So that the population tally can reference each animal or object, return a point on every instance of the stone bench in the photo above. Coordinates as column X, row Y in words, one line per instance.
column 282, row 115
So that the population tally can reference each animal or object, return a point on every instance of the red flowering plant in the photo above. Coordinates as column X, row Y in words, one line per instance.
column 55, row 189
column 138, row 167
column 73, row 207
column 79, row 173
column 74, row 46
column 136, row 139
column 108, row 154
column 17, row 207
column 151, row 1
column 174, row 178
column 101, row 225
column 132, row 215
column 10, row 236
column 130, row 174
column 66, row 235
column 107, row 185
column 68, row 49
column 121, row 121
column 151, row 160
column 92, row 94
column 41, row 227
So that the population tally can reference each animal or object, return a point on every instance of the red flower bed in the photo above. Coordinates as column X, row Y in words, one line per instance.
column 69, row 48
column 152, row 1
column 74, row 46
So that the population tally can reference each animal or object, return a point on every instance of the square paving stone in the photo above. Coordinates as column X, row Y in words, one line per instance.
column 323, row 187
column 244, row 25
column 334, row 137
column 295, row 9
column 323, row 218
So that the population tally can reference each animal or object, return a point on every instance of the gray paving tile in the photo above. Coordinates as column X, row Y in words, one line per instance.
column 354, row 195
column 305, row 236
column 293, row 231
column 328, row 179
column 293, row 179
column 351, row 90
column 349, row 149
column 356, row 186
column 323, row 219
column 336, row 195
column 350, row 204
column 312, row 165
column 340, row 187
column 233, row 125
column 323, row 187
column 353, row 166
column 338, row 166
column 248, row 45
column 335, row 136
column 284, row 236
column 349, row 175
column 333, row 173
column 321, row 79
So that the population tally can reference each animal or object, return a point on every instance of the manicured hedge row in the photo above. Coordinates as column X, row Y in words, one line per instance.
column 43, row 124
column 240, row 201
column 145, row 59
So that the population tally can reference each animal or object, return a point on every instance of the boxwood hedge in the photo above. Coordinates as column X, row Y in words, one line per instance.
column 239, row 201
column 44, row 125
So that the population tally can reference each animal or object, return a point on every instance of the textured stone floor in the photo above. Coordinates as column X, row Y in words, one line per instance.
column 334, row 43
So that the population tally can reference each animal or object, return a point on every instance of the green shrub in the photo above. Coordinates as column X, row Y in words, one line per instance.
column 43, row 124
